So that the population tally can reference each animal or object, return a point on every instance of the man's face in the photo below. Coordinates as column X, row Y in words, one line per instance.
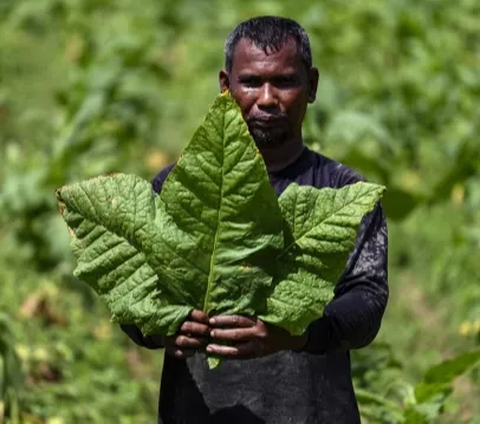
column 272, row 90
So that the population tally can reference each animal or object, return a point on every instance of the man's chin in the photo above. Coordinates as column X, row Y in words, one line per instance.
column 268, row 138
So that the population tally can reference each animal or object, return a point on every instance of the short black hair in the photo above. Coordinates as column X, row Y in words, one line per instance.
column 269, row 32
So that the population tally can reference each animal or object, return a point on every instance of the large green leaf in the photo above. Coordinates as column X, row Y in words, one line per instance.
column 224, row 219
column 216, row 238
column 202, row 244
column 110, row 219
column 320, row 232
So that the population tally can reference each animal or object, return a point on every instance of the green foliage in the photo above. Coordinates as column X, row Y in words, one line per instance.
column 321, row 227
column 437, row 380
column 97, row 86
column 402, row 402
column 204, row 244
column 11, row 377
column 58, row 343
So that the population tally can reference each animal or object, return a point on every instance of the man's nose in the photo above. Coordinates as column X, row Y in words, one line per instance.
column 267, row 97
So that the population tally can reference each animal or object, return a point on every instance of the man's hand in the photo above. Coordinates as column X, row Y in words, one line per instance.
column 190, row 338
column 241, row 337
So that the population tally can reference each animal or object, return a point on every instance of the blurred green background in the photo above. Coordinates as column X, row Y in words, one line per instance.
column 95, row 86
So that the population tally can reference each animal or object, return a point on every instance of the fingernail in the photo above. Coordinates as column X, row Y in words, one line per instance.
column 212, row 333
column 209, row 348
column 212, row 321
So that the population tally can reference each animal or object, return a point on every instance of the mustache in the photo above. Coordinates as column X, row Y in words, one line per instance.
column 278, row 117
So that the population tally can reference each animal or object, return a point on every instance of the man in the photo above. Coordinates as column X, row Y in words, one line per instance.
column 271, row 377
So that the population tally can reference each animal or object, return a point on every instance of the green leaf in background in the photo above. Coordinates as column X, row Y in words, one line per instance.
column 216, row 238
column 460, row 168
column 377, row 407
column 412, row 416
column 437, row 380
column 448, row 370
column 11, row 374
column 399, row 203
column 321, row 227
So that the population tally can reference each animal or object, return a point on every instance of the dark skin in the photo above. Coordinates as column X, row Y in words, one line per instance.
column 273, row 91
column 193, row 336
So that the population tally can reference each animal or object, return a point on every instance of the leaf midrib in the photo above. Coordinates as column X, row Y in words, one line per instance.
column 217, row 231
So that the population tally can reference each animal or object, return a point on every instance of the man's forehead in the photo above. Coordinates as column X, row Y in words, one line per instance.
column 247, row 53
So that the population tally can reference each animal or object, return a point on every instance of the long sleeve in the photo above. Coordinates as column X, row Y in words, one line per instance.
column 353, row 318
column 136, row 335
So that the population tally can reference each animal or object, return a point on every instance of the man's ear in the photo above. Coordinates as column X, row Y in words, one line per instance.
column 313, row 85
column 224, row 80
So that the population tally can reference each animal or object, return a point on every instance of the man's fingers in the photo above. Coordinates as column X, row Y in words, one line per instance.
column 186, row 342
column 199, row 316
column 195, row 329
column 233, row 335
column 232, row 321
column 241, row 351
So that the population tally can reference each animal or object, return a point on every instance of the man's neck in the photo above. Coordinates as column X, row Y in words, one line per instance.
column 279, row 157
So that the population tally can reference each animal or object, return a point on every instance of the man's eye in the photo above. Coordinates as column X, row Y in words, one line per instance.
column 285, row 82
column 250, row 82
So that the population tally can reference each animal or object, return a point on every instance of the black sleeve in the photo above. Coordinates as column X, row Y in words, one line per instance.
column 132, row 330
column 136, row 335
column 352, row 319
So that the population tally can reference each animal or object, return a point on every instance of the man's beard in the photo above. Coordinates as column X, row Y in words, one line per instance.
column 268, row 138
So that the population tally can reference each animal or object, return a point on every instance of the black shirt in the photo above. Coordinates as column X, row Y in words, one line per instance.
column 309, row 387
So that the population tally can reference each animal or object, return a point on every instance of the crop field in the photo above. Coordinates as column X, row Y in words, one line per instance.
column 90, row 87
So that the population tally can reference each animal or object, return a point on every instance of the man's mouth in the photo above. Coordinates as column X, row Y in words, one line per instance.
column 268, row 123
